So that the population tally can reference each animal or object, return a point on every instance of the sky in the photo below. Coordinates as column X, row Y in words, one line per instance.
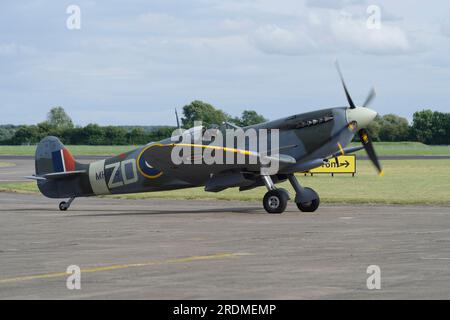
column 133, row 62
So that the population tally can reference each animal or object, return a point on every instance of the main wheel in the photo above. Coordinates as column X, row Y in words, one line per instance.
column 275, row 201
column 63, row 206
column 309, row 206
column 286, row 192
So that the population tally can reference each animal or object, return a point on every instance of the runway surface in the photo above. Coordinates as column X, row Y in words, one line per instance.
column 165, row 249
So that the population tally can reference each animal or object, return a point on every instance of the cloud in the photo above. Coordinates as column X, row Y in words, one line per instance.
column 328, row 33
column 157, row 21
column 355, row 34
column 14, row 49
column 273, row 39
column 333, row 4
column 445, row 29
column 236, row 25
column 159, row 54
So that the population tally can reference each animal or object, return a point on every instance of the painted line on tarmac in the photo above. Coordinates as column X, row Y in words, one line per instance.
column 4, row 172
column 126, row 266
column 6, row 165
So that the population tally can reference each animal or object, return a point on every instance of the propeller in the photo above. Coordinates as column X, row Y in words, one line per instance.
column 362, row 133
column 368, row 146
column 372, row 94
column 347, row 94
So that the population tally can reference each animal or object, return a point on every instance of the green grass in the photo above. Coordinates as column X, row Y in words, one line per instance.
column 76, row 150
column 405, row 182
column 19, row 187
column 406, row 148
column 382, row 148
column 6, row 164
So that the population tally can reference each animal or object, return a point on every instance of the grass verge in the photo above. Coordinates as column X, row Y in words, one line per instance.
column 6, row 164
column 382, row 148
column 408, row 182
column 75, row 150
column 19, row 187
column 406, row 149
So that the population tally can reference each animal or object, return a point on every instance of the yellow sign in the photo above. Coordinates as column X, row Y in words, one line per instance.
column 344, row 164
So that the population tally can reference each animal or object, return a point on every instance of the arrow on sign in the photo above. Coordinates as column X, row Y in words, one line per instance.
column 346, row 163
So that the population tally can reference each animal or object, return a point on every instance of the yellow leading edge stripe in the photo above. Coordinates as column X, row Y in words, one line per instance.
column 249, row 153
column 244, row 152
column 340, row 148
column 125, row 266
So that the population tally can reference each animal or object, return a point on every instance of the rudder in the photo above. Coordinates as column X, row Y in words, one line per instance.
column 51, row 156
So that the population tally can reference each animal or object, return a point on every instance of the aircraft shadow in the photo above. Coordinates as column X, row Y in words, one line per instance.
column 112, row 213
column 73, row 213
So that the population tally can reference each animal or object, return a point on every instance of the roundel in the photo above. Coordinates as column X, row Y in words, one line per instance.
column 145, row 168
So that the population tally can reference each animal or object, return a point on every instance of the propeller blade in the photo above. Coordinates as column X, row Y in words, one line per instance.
column 347, row 94
column 368, row 146
column 178, row 120
column 370, row 97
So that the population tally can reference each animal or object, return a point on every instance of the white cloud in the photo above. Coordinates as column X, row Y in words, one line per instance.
column 236, row 25
column 333, row 4
column 160, row 54
column 273, row 39
column 355, row 34
column 157, row 21
column 445, row 29
column 13, row 49
column 328, row 32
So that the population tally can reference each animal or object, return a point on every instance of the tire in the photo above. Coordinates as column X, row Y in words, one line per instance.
column 63, row 206
column 309, row 206
column 275, row 201
column 286, row 192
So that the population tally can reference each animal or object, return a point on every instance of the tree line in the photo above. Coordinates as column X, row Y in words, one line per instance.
column 429, row 127
column 59, row 124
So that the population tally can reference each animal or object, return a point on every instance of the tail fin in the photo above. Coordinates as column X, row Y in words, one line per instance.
column 52, row 156
column 58, row 175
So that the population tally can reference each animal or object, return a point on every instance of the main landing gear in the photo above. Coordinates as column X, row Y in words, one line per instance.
column 63, row 206
column 275, row 200
column 307, row 199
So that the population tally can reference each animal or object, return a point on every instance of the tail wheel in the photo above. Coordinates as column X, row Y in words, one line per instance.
column 309, row 206
column 275, row 201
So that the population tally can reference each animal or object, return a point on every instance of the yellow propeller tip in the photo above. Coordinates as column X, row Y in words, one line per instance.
column 381, row 173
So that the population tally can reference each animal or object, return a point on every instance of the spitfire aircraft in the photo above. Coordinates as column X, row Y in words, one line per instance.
column 306, row 141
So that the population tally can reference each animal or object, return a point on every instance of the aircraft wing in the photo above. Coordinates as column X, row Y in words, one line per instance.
column 159, row 156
